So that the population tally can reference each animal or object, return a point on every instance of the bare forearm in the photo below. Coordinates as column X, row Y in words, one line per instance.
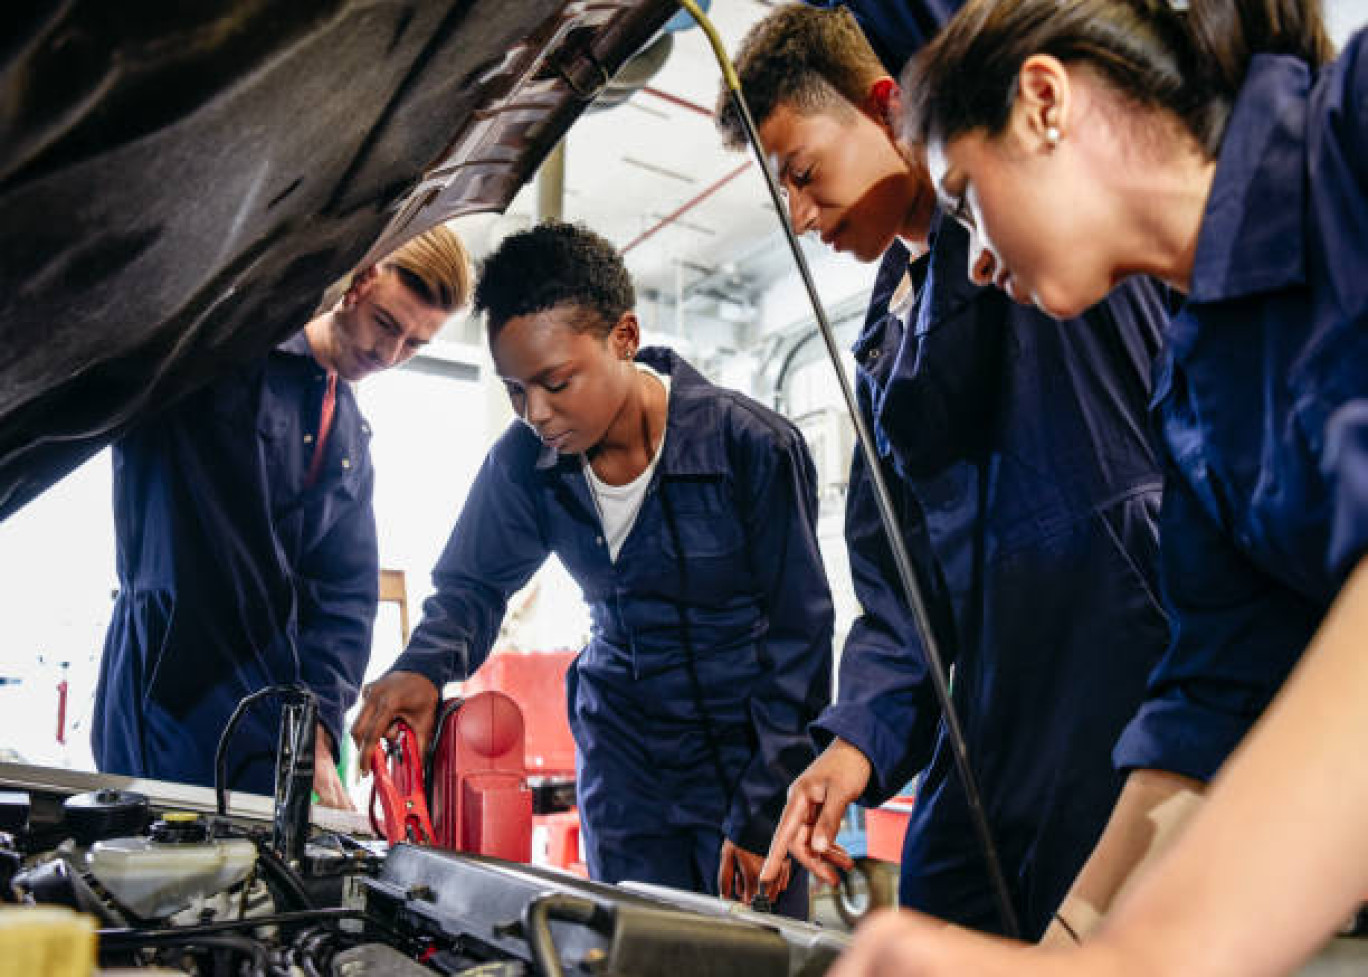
column 1277, row 856
column 1152, row 807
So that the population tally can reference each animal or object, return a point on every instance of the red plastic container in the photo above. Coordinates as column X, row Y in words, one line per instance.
column 556, row 842
column 535, row 680
column 885, row 827
column 480, row 800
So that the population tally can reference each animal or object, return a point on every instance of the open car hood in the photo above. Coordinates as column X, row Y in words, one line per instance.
column 179, row 183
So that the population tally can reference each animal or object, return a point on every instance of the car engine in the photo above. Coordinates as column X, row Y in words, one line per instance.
column 175, row 887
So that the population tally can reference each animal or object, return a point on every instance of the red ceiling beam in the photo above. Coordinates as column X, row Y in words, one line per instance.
column 683, row 103
column 687, row 206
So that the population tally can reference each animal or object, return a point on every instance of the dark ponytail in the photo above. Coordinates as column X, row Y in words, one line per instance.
column 1189, row 62
column 1228, row 33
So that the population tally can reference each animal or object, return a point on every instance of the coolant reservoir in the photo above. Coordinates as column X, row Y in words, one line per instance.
column 179, row 864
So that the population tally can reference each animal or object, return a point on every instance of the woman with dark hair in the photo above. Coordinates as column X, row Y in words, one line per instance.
column 687, row 513
column 1218, row 149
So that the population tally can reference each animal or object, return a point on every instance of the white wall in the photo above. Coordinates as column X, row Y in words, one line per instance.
column 1345, row 17
column 56, row 583
column 427, row 445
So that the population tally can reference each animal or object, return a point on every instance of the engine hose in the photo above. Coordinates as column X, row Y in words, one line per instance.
column 906, row 575
column 536, row 926
column 280, row 875
column 245, row 705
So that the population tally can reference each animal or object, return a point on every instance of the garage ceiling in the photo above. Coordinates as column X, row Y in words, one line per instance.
column 630, row 168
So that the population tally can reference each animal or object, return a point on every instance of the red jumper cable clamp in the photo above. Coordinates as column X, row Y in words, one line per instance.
column 397, row 769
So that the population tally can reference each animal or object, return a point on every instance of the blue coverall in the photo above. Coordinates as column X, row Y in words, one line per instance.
column 232, row 575
column 1263, row 408
column 710, row 648
column 1018, row 451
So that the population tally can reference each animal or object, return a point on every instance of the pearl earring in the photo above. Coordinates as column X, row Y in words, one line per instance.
column 1052, row 136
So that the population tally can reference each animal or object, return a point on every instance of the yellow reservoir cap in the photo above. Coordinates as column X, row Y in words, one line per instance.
column 48, row 940
column 180, row 817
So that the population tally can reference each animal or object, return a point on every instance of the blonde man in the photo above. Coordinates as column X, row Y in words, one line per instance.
column 246, row 538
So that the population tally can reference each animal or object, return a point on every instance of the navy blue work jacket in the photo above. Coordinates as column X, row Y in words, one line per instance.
column 711, row 636
column 1018, row 452
column 1263, row 405
column 232, row 575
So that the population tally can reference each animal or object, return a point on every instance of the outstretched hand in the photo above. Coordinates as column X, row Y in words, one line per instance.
column 817, row 802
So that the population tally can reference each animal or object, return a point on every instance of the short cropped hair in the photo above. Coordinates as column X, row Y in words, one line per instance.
column 551, row 265
column 805, row 57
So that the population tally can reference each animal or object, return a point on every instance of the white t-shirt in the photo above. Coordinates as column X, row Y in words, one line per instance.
column 904, row 300
column 618, row 505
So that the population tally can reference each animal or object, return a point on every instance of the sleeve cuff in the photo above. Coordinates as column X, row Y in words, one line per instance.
column 880, row 745
column 753, row 837
column 1180, row 737
column 332, row 731
column 429, row 664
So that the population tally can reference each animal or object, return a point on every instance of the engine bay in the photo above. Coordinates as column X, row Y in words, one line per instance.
column 174, row 887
